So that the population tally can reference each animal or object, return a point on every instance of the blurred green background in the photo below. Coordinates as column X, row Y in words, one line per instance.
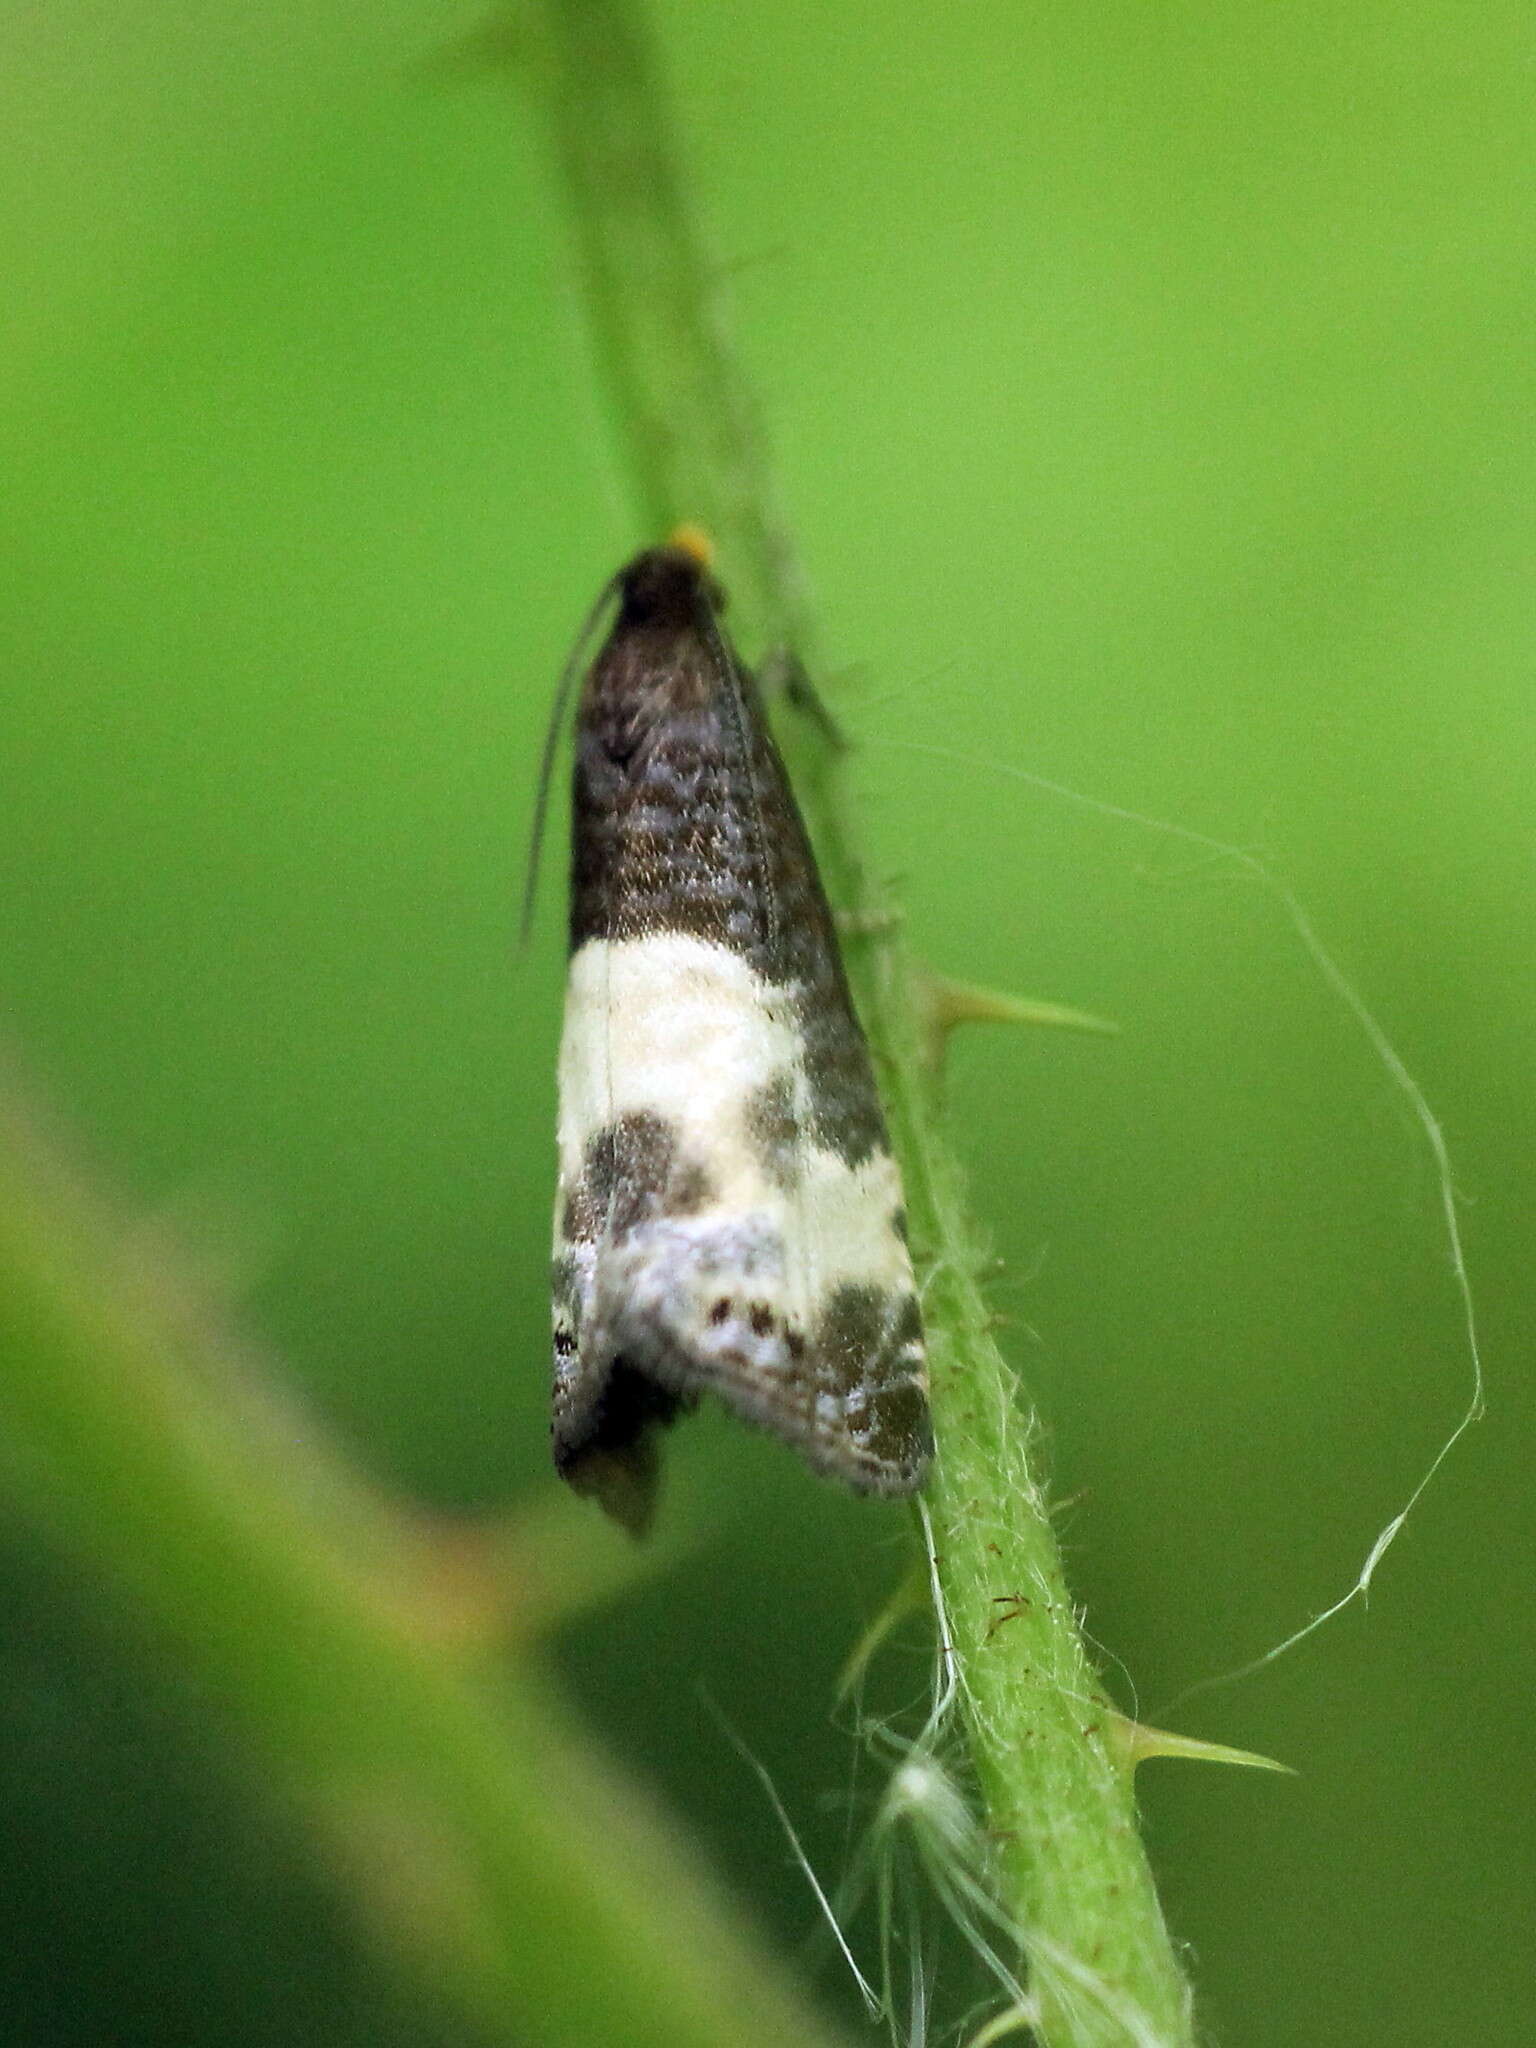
column 1151, row 392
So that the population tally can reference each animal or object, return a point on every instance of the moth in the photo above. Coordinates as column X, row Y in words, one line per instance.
column 729, row 1218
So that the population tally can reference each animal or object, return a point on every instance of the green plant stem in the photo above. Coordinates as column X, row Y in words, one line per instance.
column 659, row 318
column 1069, row 1866
column 491, row 1850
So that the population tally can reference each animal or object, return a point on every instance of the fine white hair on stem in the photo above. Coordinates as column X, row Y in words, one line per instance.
column 946, row 1675
column 873, row 2003
column 1391, row 1061
column 925, row 1842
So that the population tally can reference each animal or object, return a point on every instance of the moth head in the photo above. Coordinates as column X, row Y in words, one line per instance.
column 672, row 585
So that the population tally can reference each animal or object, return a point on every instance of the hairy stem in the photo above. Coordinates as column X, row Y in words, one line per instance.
column 1069, row 1868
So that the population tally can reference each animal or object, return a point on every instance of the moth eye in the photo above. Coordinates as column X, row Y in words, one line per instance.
column 762, row 1319
column 721, row 1312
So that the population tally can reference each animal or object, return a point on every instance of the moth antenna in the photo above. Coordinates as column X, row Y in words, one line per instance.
column 557, row 713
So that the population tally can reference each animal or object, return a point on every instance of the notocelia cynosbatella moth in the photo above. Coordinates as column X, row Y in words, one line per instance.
column 729, row 1218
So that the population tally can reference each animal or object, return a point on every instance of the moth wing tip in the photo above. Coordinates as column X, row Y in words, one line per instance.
column 623, row 1480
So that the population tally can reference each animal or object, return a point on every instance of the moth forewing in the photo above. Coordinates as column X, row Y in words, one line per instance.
column 729, row 1217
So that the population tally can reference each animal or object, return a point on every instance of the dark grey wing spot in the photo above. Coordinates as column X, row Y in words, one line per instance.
column 586, row 1205
column 907, row 1328
column 775, row 1133
column 898, row 1432
column 643, row 1149
column 844, row 1101
column 868, row 1352
column 850, row 1335
column 632, row 1173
